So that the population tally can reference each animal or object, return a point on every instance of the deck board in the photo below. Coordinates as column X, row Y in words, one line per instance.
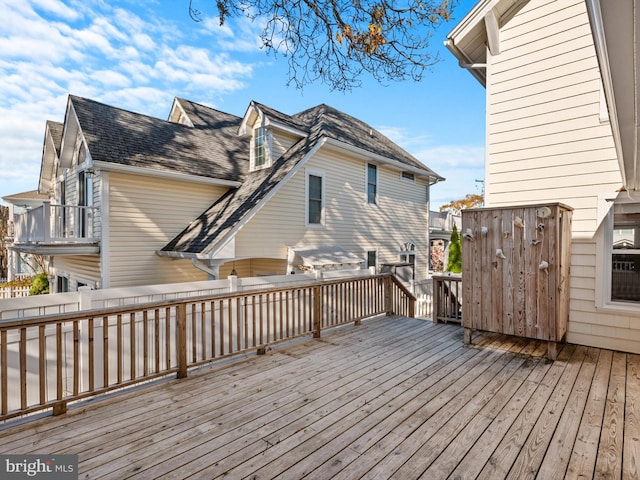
column 394, row 398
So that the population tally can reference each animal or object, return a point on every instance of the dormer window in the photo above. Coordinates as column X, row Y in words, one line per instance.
column 261, row 152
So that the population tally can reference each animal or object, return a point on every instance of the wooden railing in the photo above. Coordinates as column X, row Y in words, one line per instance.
column 447, row 298
column 47, row 362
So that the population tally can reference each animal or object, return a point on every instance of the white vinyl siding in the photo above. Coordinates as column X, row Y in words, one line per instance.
column 546, row 143
column 281, row 142
column 85, row 268
column 348, row 223
column 145, row 214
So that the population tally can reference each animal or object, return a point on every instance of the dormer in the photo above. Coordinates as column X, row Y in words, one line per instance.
column 271, row 132
column 178, row 115
column 50, row 155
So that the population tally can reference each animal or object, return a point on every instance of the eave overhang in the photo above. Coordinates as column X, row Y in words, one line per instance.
column 151, row 172
column 478, row 32
column 431, row 176
column 616, row 31
column 56, row 249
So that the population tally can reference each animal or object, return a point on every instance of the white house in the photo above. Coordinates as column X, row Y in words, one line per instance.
column 561, row 118
column 136, row 200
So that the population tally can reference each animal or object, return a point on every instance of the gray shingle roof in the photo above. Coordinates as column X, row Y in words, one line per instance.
column 56, row 129
column 211, row 148
column 342, row 127
column 202, row 235
column 207, row 232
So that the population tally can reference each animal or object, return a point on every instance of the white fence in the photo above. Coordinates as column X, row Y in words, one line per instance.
column 14, row 292
column 87, row 299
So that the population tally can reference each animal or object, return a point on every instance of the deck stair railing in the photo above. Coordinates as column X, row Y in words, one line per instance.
column 447, row 298
column 47, row 362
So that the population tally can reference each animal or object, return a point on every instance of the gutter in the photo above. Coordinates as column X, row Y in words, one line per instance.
column 597, row 28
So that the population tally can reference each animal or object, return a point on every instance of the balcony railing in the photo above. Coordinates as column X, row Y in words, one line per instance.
column 46, row 362
column 55, row 224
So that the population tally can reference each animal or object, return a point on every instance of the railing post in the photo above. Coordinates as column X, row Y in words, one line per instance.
column 388, row 296
column 46, row 221
column 317, row 311
column 435, row 310
column 181, row 339
column 85, row 298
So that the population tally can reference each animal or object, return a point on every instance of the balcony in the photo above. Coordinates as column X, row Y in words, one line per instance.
column 388, row 397
column 56, row 230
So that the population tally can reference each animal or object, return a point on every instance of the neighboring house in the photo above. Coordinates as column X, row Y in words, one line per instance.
column 440, row 228
column 561, row 127
column 135, row 200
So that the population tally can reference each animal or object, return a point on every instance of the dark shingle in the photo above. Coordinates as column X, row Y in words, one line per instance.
column 120, row 136
column 56, row 129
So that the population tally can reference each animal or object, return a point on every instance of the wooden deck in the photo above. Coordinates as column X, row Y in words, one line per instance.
column 394, row 398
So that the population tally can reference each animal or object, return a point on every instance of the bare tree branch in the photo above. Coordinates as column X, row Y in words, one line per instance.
column 336, row 41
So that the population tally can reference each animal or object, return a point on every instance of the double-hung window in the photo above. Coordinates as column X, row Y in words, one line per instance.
column 315, row 198
column 372, row 183
column 260, row 147
column 618, row 255
column 625, row 253
column 372, row 259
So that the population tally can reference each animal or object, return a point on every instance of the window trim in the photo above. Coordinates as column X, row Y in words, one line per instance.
column 376, row 184
column 405, row 179
column 604, row 252
column 316, row 173
column 366, row 257
column 266, row 145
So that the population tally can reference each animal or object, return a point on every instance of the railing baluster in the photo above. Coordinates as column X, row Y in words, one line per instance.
column 167, row 337
column 246, row 323
column 76, row 357
column 59, row 358
column 156, row 339
column 203, row 326
column 91, row 354
column 145, row 343
column 268, row 320
column 132, row 345
column 230, row 319
column 23, row 368
column 253, row 319
column 194, row 335
column 119, row 340
column 213, row 329
column 105, row 351
column 221, row 306
column 41, row 363
column 238, row 325
column 4, row 398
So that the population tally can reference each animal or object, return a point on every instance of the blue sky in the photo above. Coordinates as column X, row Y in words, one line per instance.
column 140, row 55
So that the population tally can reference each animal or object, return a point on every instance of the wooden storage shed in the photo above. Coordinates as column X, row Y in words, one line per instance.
column 515, row 271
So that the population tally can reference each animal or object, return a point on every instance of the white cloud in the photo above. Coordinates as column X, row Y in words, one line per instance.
column 58, row 8
column 52, row 48
column 460, row 165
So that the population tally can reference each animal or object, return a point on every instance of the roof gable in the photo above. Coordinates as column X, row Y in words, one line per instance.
column 209, row 149
column 50, row 155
